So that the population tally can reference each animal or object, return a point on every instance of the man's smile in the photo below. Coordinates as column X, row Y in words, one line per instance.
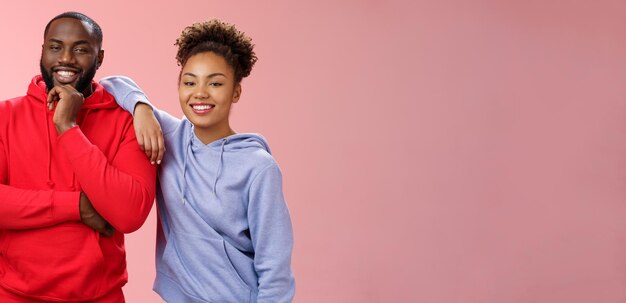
column 65, row 75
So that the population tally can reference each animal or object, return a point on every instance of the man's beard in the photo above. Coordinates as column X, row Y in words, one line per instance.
column 82, row 84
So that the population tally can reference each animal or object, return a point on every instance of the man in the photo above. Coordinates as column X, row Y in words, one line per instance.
column 72, row 179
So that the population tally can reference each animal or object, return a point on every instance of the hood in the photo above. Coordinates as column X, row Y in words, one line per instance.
column 233, row 143
column 97, row 100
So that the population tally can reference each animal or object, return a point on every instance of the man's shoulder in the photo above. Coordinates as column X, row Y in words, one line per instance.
column 9, row 104
column 106, row 101
column 111, row 119
column 10, row 110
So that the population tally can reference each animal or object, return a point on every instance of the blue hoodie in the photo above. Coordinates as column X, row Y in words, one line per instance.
column 224, row 231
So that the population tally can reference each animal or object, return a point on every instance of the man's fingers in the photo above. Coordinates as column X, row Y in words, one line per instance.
column 103, row 226
column 52, row 94
column 50, row 102
column 108, row 230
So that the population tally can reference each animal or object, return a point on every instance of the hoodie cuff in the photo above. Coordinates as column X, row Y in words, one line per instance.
column 65, row 206
column 133, row 99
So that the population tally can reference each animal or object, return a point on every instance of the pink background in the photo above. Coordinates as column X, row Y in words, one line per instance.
column 433, row 151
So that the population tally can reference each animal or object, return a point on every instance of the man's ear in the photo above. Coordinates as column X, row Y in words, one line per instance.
column 100, row 58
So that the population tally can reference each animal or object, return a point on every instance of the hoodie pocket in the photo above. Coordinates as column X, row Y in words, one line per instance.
column 64, row 261
column 202, row 268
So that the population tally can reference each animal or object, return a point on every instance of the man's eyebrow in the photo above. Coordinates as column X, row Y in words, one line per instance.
column 75, row 43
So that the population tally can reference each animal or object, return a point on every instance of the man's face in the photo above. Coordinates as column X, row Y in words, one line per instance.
column 70, row 55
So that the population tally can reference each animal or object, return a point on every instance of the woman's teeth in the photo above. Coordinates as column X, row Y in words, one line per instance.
column 202, row 106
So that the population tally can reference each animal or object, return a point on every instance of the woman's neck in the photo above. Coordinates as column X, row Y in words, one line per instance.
column 209, row 135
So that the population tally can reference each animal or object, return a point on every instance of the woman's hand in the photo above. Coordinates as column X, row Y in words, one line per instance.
column 149, row 133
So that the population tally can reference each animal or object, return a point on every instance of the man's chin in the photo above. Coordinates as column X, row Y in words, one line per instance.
column 72, row 84
column 54, row 82
column 79, row 84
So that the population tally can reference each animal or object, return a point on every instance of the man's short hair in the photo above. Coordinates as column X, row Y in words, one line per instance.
column 97, row 31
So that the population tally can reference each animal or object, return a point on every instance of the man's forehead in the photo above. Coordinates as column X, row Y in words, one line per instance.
column 69, row 27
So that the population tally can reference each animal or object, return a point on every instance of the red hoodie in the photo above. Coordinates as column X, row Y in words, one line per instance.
column 46, row 253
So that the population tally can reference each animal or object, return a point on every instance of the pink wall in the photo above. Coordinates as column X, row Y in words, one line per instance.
column 433, row 151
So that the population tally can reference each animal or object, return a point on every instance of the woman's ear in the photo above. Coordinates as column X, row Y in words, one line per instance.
column 237, row 93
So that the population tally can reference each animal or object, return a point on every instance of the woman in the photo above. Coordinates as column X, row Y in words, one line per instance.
column 224, row 231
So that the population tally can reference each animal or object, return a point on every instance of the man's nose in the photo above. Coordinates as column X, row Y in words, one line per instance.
column 67, row 57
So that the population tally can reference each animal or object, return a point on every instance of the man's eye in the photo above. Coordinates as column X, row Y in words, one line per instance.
column 81, row 50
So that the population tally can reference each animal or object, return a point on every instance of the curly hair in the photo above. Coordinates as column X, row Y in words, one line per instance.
column 220, row 38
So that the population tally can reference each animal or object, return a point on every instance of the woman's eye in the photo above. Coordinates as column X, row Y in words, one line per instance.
column 215, row 84
column 188, row 83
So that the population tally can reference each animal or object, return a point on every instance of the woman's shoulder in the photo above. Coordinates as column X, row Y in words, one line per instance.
column 250, row 149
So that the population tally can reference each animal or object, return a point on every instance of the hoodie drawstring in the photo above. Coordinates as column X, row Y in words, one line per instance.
column 219, row 167
column 49, row 149
column 187, row 151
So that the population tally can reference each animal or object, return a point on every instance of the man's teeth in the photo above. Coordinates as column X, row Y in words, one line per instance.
column 202, row 106
column 65, row 73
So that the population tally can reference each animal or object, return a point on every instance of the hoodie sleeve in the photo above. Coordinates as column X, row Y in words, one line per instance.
column 24, row 209
column 123, row 190
column 272, row 237
column 127, row 94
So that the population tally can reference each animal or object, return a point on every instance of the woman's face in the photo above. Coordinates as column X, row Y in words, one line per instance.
column 206, row 90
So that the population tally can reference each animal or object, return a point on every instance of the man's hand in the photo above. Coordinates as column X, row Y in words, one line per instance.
column 92, row 218
column 69, row 103
column 149, row 133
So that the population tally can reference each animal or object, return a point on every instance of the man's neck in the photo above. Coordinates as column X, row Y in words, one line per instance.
column 88, row 91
